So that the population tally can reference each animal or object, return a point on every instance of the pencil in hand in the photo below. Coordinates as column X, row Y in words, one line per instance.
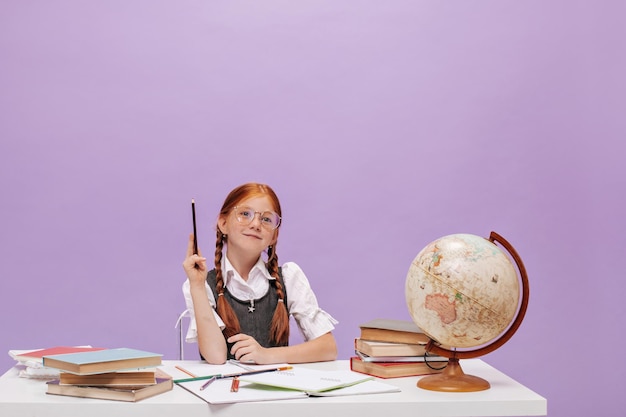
column 195, row 235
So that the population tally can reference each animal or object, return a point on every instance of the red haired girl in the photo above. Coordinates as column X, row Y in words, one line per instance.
column 241, row 308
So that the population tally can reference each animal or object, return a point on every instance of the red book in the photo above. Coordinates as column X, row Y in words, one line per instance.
column 37, row 355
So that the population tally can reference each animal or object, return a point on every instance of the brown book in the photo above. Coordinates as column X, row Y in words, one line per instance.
column 395, row 369
column 422, row 358
column 374, row 348
column 110, row 379
column 109, row 393
column 392, row 330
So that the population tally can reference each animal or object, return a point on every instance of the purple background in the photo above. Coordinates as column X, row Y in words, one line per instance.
column 382, row 125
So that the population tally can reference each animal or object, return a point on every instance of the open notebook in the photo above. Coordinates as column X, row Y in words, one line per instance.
column 302, row 383
column 308, row 380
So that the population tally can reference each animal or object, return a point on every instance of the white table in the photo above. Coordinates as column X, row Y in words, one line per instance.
column 506, row 397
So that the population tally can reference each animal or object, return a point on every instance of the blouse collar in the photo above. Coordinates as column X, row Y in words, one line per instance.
column 230, row 272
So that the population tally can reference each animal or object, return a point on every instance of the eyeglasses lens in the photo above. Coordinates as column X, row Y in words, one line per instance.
column 269, row 219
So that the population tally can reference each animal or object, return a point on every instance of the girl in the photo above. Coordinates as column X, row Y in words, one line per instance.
column 241, row 308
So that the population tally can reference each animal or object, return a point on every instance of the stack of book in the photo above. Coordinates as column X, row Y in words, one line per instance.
column 121, row 374
column 390, row 348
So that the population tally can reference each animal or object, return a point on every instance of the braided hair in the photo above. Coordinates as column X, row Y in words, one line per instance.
column 279, row 328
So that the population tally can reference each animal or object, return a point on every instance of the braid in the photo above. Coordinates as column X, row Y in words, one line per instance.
column 224, row 309
column 279, row 329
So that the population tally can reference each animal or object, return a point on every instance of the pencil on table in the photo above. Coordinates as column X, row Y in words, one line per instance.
column 186, row 371
column 209, row 382
column 234, row 386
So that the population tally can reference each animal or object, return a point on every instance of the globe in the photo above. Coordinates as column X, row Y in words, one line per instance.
column 465, row 294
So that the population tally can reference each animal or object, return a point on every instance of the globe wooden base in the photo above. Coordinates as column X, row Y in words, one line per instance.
column 453, row 379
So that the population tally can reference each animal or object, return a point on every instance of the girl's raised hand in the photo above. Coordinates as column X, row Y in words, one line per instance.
column 194, row 265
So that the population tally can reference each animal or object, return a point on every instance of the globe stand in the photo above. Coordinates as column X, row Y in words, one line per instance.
column 453, row 379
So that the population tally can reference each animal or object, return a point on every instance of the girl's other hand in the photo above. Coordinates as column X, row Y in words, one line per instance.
column 246, row 349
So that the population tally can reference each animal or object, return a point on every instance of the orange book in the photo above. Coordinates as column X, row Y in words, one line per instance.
column 109, row 393
column 374, row 348
column 138, row 378
column 395, row 369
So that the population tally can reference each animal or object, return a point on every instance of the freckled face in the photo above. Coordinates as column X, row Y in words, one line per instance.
column 249, row 238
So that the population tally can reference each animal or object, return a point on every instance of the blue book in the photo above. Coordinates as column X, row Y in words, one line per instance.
column 100, row 361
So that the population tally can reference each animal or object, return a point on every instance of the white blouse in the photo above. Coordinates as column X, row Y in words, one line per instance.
column 302, row 303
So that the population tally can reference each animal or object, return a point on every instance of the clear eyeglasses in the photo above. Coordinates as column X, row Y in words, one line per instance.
column 245, row 215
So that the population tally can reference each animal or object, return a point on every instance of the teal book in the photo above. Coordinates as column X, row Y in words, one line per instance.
column 100, row 361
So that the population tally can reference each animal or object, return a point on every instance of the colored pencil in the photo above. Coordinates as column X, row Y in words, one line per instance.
column 186, row 371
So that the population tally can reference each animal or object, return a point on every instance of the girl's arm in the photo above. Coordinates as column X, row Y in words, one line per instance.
column 323, row 348
column 211, row 341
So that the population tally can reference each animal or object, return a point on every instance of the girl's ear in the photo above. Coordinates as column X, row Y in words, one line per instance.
column 222, row 224
column 275, row 238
